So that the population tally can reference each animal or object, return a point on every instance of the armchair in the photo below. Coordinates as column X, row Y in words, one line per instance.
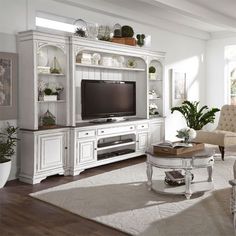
column 225, row 133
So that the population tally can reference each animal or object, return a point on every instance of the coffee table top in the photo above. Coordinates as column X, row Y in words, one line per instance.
column 206, row 152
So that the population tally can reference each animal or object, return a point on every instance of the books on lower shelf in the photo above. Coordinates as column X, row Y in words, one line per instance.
column 175, row 178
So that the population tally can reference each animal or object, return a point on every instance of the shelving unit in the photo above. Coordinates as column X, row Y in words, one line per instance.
column 72, row 145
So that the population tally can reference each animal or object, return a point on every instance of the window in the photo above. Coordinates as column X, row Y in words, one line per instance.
column 230, row 57
column 56, row 25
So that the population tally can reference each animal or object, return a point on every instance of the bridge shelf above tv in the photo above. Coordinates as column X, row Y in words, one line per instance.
column 110, row 67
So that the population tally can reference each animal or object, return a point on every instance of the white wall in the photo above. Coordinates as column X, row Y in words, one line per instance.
column 184, row 53
column 216, row 92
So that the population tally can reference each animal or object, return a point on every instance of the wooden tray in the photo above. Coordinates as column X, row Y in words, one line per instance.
column 179, row 150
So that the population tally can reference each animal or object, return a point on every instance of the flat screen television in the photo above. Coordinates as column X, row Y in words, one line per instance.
column 105, row 98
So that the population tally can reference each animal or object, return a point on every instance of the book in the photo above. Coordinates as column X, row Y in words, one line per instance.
column 169, row 144
column 174, row 175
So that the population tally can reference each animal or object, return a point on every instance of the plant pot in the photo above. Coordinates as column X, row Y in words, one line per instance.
column 152, row 76
column 5, row 169
column 48, row 98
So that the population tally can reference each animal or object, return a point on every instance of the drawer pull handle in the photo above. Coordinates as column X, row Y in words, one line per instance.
column 86, row 133
column 131, row 127
column 102, row 131
column 66, row 147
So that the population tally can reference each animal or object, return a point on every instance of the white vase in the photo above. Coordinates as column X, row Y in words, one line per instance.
column 5, row 169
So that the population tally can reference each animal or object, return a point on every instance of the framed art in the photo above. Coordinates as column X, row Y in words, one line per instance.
column 179, row 87
column 8, row 86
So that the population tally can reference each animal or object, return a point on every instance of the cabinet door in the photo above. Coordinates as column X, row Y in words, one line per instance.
column 86, row 151
column 156, row 133
column 142, row 141
column 51, row 151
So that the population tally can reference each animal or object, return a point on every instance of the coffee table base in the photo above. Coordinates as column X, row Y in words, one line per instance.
column 160, row 186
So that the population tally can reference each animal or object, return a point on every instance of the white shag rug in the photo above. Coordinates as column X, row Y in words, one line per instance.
column 121, row 200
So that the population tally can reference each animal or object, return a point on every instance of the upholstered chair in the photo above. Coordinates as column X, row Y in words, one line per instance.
column 225, row 133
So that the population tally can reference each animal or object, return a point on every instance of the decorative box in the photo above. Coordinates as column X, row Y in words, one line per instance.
column 107, row 61
column 43, row 69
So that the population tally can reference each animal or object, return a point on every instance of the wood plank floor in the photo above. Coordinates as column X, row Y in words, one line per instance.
column 22, row 215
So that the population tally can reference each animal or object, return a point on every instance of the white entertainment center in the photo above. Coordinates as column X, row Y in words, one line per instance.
column 73, row 144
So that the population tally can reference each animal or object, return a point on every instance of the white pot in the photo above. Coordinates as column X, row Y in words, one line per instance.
column 152, row 76
column 5, row 169
column 49, row 98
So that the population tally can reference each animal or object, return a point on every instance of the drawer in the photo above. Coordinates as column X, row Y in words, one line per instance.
column 142, row 126
column 116, row 130
column 86, row 134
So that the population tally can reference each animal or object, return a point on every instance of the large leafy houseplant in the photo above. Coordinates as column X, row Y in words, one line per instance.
column 196, row 118
column 8, row 141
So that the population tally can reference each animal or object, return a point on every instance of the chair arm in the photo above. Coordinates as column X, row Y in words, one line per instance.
column 232, row 182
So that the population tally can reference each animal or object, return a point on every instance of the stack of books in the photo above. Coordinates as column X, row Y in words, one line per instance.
column 175, row 178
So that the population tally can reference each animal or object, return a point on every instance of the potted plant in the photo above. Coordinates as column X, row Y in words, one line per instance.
column 152, row 73
column 8, row 141
column 196, row 118
column 49, row 92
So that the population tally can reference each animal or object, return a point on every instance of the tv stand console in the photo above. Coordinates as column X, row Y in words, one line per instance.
column 100, row 144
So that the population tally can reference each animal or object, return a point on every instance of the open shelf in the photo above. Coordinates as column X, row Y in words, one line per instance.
column 114, row 154
column 51, row 74
column 109, row 67
column 57, row 101
column 115, row 146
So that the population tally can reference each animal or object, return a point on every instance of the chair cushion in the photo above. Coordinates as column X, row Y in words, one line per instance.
column 216, row 137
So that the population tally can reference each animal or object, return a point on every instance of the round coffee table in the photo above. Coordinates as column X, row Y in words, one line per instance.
column 185, row 162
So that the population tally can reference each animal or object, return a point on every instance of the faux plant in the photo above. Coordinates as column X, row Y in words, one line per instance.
column 196, row 118
column 187, row 134
column 152, row 70
column 8, row 141
column 127, row 31
column 140, row 39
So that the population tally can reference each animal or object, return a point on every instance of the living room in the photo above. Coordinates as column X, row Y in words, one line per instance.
column 95, row 183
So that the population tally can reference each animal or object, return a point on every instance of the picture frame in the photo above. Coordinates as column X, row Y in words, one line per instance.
column 178, row 87
column 8, row 86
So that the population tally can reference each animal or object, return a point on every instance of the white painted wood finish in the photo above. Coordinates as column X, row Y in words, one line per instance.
column 43, row 153
column 72, row 150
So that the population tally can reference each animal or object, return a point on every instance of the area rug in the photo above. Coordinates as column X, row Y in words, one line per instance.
column 121, row 200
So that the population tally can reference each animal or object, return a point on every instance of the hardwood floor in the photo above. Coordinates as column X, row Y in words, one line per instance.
column 22, row 215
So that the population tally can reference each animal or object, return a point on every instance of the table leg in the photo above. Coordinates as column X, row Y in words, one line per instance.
column 149, row 176
column 210, row 171
column 188, row 178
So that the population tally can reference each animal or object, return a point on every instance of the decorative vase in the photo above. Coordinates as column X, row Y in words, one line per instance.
column 5, row 169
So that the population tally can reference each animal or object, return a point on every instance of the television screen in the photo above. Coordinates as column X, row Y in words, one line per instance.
column 105, row 98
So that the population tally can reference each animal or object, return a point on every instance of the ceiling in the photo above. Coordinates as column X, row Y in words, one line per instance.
column 206, row 15
column 198, row 18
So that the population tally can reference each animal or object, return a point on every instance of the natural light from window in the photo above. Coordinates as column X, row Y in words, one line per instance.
column 230, row 73
column 56, row 25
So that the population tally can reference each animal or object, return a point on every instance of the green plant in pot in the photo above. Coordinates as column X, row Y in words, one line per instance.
column 8, row 142
column 152, row 73
column 196, row 117
column 127, row 31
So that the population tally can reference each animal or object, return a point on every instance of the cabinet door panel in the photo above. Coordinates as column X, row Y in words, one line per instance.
column 86, row 151
column 51, row 151
column 156, row 133
column 142, row 141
